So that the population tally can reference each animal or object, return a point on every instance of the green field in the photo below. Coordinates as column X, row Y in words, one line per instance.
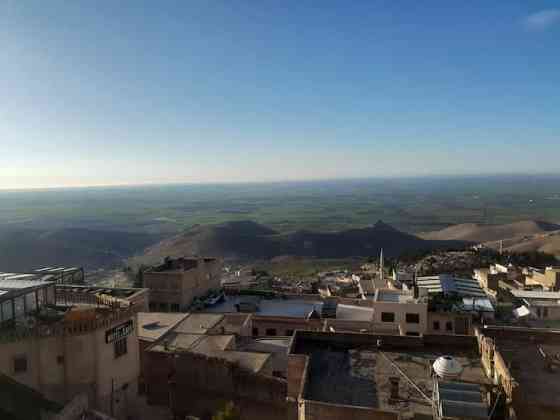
column 412, row 205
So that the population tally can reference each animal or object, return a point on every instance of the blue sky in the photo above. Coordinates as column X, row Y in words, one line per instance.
column 96, row 93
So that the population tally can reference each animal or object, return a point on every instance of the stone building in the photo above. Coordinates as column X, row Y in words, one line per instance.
column 548, row 279
column 388, row 377
column 64, row 342
column 525, row 362
column 175, row 283
column 206, row 360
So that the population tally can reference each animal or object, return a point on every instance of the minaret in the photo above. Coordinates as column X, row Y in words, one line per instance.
column 381, row 273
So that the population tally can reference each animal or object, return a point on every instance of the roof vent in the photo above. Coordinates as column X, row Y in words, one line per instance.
column 447, row 368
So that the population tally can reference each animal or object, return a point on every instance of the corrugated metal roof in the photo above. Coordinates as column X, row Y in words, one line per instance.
column 534, row 294
column 450, row 284
column 480, row 304
column 7, row 284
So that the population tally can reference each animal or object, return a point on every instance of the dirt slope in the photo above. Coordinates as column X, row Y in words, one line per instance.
column 487, row 233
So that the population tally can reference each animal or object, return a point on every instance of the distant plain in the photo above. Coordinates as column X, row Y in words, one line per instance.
column 409, row 204
column 150, row 213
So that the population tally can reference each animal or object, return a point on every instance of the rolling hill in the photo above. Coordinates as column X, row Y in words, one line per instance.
column 526, row 236
column 249, row 240
column 487, row 233
column 27, row 249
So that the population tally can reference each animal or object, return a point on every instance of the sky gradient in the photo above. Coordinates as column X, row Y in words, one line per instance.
column 95, row 93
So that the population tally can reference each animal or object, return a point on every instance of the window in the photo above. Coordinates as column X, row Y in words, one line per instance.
column 545, row 312
column 387, row 317
column 289, row 333
column 448, row 326
column 413, row 334
column 120, row 347
column 271, row 331
column 153, row 306
column 539, row 312
column 60, row 360
column 163, row 307
column 255, row 332
column 175, row 307
column 412, row 318
column 436, row 325
column 20, row 364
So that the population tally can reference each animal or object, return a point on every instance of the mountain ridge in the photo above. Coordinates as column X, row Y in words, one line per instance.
column 251, row 240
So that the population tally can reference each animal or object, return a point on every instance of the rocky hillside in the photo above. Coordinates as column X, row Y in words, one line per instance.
column 249, row 240
column 487, row 233
column 28, row 249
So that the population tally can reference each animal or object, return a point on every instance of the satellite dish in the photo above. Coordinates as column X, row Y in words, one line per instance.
column 447, row 368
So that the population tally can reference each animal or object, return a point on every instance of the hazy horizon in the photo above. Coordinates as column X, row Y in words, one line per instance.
column 418, row 178
column 140, row 93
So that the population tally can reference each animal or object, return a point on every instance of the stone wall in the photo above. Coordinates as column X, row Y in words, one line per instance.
column 314, row 410
column 283, row 326
column 76, row 361
column 198, row 385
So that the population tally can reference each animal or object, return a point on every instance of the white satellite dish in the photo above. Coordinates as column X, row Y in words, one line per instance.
column 447, row 368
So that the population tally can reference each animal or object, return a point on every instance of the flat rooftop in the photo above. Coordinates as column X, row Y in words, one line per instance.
column 43, row 274
column 534, row 294
column 192, row 334
column 394, row 296
column 117, row 292
column 198, row 323
column 519, row 348
column 297, row 308
column 351, row 370
column 153, row 325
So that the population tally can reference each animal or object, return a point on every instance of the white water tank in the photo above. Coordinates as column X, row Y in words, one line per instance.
column 447, row 368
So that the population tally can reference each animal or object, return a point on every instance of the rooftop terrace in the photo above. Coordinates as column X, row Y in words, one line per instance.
column 394, row 296
column 298, row 308
column 524, row 351
column 351, row 369
column 197, row 333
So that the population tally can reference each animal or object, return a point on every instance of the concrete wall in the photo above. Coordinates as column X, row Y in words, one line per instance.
column 448, row 319
column 547, row 312
column 400, row 310
column 284, row 326
column 181, row 287
column 549, row 279
column 64, row 366
column 198, row 385
column 314, row 410
column 520, row 405
column 140, row 300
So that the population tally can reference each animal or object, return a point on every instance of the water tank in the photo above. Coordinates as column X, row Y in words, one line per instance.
column 447, row 368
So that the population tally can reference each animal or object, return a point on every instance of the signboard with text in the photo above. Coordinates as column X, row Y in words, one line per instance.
column 118, row 332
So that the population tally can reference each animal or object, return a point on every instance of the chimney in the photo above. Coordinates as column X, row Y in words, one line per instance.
column 394, row 382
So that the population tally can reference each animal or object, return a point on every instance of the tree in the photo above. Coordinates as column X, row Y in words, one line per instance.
column 229, row 412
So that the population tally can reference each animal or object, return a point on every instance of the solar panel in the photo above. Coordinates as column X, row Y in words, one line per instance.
column 462, row 400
